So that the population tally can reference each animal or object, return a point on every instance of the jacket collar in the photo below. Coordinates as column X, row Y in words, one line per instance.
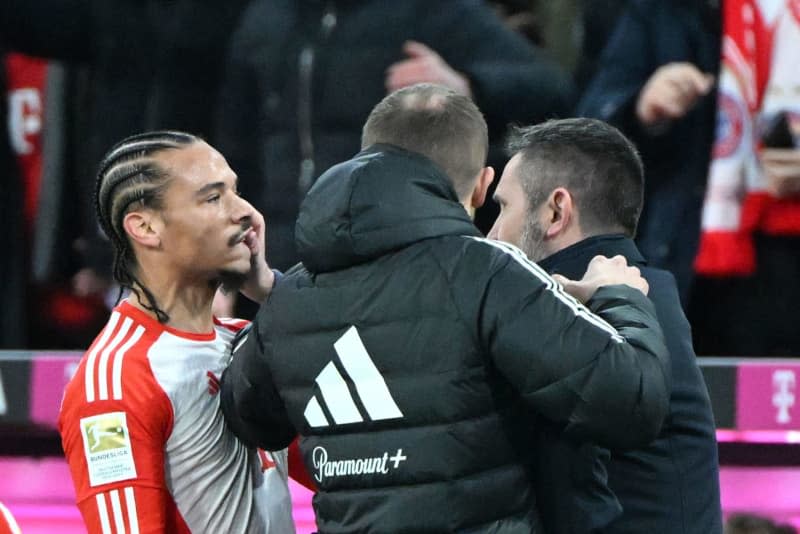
column 572, row 261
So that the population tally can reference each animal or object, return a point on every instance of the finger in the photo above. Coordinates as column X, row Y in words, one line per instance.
column 644, row 287
column 417, row 49
column 399, row 80
column 780, row 155
column 671, row 108
column 563, row 280
column 619, row 260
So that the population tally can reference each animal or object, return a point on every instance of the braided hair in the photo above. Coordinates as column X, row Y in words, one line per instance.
column 130, row 175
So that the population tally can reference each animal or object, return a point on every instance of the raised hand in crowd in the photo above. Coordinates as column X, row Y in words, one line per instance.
column 671, row 92
column 424, row 65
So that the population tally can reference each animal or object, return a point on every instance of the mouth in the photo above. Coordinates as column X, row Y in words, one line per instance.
column 239, row 237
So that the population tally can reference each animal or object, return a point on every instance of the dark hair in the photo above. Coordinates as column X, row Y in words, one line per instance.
column 597, row 164
column 446, row 127
column 128, row 175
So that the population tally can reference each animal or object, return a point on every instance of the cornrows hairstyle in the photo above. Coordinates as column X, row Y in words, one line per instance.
column 128, row 176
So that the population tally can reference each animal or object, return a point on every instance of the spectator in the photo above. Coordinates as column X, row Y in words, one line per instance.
column 750, row 247
column 654, row 82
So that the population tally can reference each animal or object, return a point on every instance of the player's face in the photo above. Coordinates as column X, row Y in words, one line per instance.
column 205, row 219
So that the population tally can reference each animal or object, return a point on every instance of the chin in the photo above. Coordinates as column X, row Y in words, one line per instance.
column 231, row 280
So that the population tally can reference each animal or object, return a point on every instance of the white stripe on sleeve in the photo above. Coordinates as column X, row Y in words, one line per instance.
column 116, row 370
column 116, row 507
column 89, row 371
column 130, row 504
column 554, row 287
column 102, row 366
column 103, row 511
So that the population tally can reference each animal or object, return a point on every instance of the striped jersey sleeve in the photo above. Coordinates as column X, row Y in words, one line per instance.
column 115, row 420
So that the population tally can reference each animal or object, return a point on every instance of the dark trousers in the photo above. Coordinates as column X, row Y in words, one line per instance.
column 752, row 316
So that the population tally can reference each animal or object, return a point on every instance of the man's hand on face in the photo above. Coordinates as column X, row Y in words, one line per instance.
column 601, row 272
column 260, row 280
column 424, row 65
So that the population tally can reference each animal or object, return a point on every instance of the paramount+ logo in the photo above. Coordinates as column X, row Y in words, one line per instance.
column 377, row 465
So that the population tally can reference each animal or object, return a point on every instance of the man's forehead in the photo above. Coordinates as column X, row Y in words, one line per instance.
column 196, row 164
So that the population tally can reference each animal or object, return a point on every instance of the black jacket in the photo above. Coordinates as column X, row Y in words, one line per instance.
column 671, row 484
column 650, row 34
column 303, row 76
column 407, row 355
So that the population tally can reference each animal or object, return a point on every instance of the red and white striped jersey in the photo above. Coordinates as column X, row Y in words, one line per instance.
column 146, row 442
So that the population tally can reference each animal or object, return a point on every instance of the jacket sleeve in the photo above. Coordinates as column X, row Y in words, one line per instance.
column 512, row 81
column 252, row 407
column 605, row 375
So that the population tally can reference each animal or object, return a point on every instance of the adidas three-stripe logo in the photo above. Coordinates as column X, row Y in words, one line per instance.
column 369, row 384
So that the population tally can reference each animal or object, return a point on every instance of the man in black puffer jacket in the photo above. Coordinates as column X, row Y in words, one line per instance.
column 407, row 351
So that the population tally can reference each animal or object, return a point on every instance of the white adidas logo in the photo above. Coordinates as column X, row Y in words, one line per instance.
column 370, row 386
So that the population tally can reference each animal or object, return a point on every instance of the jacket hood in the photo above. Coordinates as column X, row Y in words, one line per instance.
column 381, row 200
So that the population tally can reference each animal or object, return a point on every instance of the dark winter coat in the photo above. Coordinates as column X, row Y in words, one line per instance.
column 409, row 350
column 669, row 485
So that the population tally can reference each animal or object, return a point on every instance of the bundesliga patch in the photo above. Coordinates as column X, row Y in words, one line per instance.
column 107, row 447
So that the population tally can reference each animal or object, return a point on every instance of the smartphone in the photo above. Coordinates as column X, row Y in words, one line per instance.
column 776, row 133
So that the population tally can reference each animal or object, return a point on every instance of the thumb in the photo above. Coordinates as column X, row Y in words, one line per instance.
column 416, row 49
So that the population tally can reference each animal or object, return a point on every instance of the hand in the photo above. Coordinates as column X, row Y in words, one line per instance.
column 259, row 281
column 601, row 272
column 782, row 170
column 671, row 92
column 424, row 66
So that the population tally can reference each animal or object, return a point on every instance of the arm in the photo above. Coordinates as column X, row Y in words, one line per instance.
column 604, row 374
column 250, row 402
column 115, row 452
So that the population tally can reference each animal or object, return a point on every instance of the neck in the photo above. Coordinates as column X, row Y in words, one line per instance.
column 187, row 303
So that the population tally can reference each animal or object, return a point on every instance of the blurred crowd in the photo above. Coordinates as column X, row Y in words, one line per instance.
column 707, row 89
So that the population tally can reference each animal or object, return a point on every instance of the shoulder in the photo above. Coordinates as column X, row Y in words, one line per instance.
column 115, row 376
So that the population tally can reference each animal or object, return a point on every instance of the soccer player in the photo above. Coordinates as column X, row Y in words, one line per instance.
column 140, row 422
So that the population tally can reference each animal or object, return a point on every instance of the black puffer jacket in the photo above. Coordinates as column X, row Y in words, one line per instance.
column 407, row 354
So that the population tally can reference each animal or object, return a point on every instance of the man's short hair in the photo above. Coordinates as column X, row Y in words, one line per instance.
column 446, row 127
column 593, row 160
